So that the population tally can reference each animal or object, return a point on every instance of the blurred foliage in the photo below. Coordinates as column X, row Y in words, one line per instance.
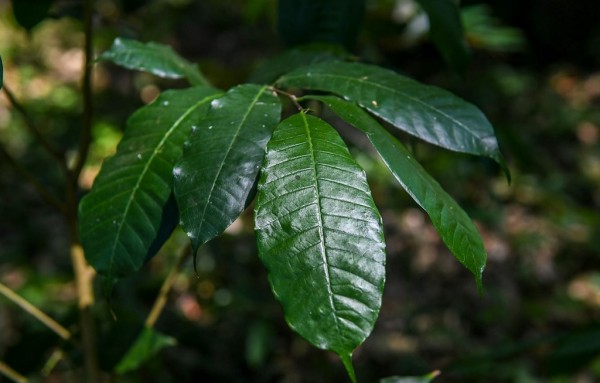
column 538, row 318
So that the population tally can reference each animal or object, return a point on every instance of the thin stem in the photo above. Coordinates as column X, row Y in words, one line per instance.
column 292, row 97
column 55, row 153
column 35, row 312
column 161, row 299
column 12, row 374
column 39, row 188
column 51, row 363
column 84, row 276
column 86, row 89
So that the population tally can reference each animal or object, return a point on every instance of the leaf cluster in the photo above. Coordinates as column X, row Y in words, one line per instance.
column 199, row 156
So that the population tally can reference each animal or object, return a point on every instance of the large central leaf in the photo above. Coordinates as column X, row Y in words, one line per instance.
column 429, row 113
column 121, row 216
column 320, row 235
column 220, row 163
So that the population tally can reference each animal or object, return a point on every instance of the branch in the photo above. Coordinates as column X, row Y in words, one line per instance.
column 86, row 89
column 161, row 299
column 39, row 188
column 35, row 312
column 12, row 374
column 55, row 153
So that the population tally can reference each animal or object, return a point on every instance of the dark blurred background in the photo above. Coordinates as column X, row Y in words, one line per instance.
column 534, row 71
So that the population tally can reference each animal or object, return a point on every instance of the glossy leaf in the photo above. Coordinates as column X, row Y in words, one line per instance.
column 168, row 223
column 121, row 216
column 320, row 236
column 147, row 344
column 429, row 113
column 452, row 223
column 296, row 58
column 446, row 31
column 220, row 163
column 321, row 21
column 158, row 59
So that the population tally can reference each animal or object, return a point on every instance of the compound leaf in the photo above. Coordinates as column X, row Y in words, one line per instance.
column 121, row 216
column 452, row 223
column 158, row 59
column 320, row 236
column 221, row 160
column 429, row 113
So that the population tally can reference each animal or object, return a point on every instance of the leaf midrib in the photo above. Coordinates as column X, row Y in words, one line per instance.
column 426, row 105
column 233, row 139
column 320, row 220
column 136, row 188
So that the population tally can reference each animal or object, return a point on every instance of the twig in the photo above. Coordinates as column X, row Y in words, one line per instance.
column 39, row 188
column 292, row 97
column 55, row 153
column 51, row 363
column 86, row 89
column 161, row 299
column 12, row 374
column 84, row 276
column 35, row 312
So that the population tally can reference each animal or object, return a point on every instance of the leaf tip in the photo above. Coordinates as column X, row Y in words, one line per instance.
column 347, row 361
column 479, row 282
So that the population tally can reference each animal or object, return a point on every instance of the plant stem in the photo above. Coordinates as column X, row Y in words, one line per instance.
column 292, row 97
column 56, row 154
column 161, row 299
column 35, row 312
column 84, row 276
column 86, row 89
column 12, row 374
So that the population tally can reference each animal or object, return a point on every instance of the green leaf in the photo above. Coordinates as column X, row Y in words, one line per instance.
column 486, row 32
column 296, row 58
column 429, row 113
column 121, row 216
column 147, row 344
column 446, row 31
column 158, row 59
column 320, row 236
column 452, row 223
column 321, row 21
column 1, row 73
column 30, row 13
column 412, row 379
column 168, row 223
column 220, row 163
